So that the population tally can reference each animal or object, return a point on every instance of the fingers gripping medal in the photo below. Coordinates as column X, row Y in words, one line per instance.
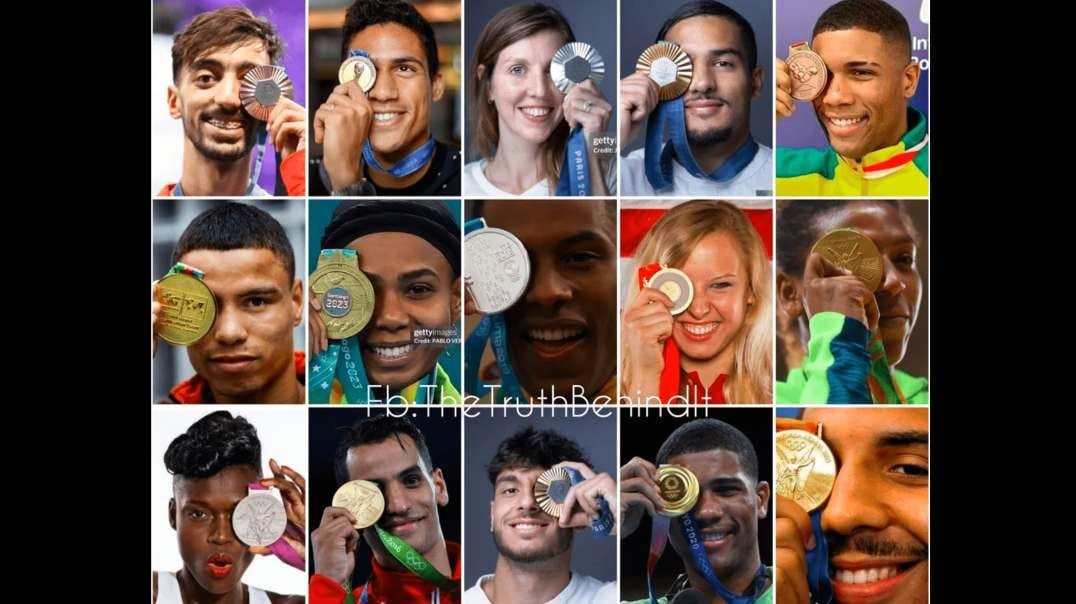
column 675, row 284
column 345, row 293
column 188, row 308
column 358, row 66
column 497, row 269
column 262, row 88
column 669, row 66
column 853, row 251
column 363, row 499
column 575, row 63
column 808, row 71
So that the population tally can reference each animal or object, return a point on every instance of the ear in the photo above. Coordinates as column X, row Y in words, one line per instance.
column 438, row 87
column 790, row 295
column 756, row 81
column 456, row 300
column 911, row 79
column 763, row 493
column 440, row 488
column 175, row 108
column 297, row 300
column 172, row 513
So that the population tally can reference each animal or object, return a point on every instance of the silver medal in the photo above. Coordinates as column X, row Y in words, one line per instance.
column 259, row 518
column 498, row 269
column 575, row 63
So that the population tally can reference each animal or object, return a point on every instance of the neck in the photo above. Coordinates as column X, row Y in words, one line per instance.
column 517, row 164
column 529, row 582
column 203, row 176
column 387, row 181
column 282, row 389
column 737, row 582
column 709, row 369
column 711, row 157
column 193, row 593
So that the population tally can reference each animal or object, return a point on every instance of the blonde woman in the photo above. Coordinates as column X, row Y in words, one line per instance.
column 523, row 119
column 723, row 340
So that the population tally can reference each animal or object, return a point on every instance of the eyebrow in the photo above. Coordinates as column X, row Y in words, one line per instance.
column 852, row 64
column 717, row 52
column 260, row 291
column 211, row 64
column 416, row 274
column 584, row 237
column 406, row 471
column 902, row 438
column 724, row 482
column 506, row 478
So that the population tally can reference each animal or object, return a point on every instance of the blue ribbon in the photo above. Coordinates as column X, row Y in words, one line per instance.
column 343, row 360
column 603, row 524
column 818, row 564
column 575, row 173
column 259, row 154
column 406, row 166
column 658, row 159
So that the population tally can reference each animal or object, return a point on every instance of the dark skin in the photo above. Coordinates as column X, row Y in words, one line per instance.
column 563, row 330
column 214, row 559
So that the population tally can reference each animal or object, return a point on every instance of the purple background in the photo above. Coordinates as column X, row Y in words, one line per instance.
column 795, row 20
column 289, row 17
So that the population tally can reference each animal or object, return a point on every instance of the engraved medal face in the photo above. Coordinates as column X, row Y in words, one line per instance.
column 550, row 490
column 806, row 468
column 498, row 269
column 675, row 284
column 188, row 309
column 575, row 63
column 358, row 67
column 853, row 251
column 259, row 518
column 262, row 88
column 363, row 499
column 345, row 293
column 669, row 66
column 679, row 489
column 809, row 74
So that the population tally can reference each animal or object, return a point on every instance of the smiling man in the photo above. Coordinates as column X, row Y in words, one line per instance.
column 878, row 145
column 717, row 108
column 875, row 520
column 379, row 142
column 562, row 332
column 391, row 453
column 210, row 57
column 731, row 502
column 535, row 549
column 248, row 354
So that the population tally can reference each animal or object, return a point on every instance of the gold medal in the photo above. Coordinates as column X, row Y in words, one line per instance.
column 363, row 499
column 805, row 468
column 667, row 65
column 358, row 67
column 188, row 309
column 808, row 71
column 679, row 489
column 675, row 284
column 345, row 293
column 551, row 489
column 853, row 251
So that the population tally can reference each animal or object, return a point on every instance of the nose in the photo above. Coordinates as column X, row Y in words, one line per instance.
column 222, row 530
column 837, row 92
column 229, row 328
column 540, row 83
column 853, row 503
column 892, row 282
column 548, row 287
column 226, row 93
column 708, row 508
column 391, row 312
column 702, row 80
column 385, row 88
column 526, row 501
column 700, row 306
column 396, row 501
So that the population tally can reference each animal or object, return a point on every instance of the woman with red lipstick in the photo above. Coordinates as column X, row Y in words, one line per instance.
column 523, row 118
column 214, row 463
column 722, row 340
column 842, row 342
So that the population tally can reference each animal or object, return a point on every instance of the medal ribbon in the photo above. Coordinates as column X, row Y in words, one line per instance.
column 888, row 166
column 185, row 269
column 669, row 384
column 883, row 387
column 575, row 173
column 490, row 329
column 259, row 154
column 658, row 160
column 817, row 559
column 603, row 524
column 406, row 166
column 281, row 548
column 412, row 561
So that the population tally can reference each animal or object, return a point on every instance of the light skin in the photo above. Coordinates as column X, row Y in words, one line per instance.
column 530, row 107
column 214, row 559
column 534, row 563
column 412, row 491
column 413, row 288
column 706, row 332
column 218, row 133
column 717, row 105
column 247, row 356
column 727, row 513
column 394, row 115
column 876, row 516
column 864, row 105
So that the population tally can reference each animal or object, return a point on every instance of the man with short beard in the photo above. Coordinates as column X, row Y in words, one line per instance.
column 726, row 77
column 534, row 560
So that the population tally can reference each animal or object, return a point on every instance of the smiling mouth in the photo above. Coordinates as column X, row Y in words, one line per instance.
column 385, row 117
column 845, row 122
column 699, row 330
column 225, row 124
column 390, row 353
column 864, row 576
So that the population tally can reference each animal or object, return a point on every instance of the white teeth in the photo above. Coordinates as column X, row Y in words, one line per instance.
column 840, row 121
column 384, row 117
column 700, row 330
column 713, row 536
column 393, row 351
column 536, row 111
column 863, row 576
column 553, row 335
column 223, row 125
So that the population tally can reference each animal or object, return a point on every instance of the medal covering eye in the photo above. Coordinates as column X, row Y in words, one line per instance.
column 850, row 250
column 497, row 269
column 679, row 489
column 259, row 519
column 806, row 468
column 363, row 499
column 676, row 285
column 188, row 309
column 550, row 490
column 345, row 293
column 669, row 66
column 808, row 71
column 575, row 63
column 262, row 88
column 358, row 66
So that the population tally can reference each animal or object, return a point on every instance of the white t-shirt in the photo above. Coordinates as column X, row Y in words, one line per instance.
column 476, row 183
column 168, row 590
column 580, row 590
column 755, row 180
